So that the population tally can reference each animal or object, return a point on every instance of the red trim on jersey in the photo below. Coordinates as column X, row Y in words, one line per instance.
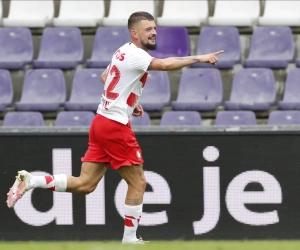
column 144, row 79
column 132, row 99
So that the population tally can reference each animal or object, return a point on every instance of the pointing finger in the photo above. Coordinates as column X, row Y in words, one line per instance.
column 218, row 52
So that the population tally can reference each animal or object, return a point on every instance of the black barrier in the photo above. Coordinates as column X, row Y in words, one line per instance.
column 200, row 186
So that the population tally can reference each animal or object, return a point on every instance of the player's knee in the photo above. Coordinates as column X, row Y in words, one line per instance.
column 139, row 185
column 86, row 189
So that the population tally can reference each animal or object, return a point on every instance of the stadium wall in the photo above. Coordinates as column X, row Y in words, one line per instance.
column 212, row 183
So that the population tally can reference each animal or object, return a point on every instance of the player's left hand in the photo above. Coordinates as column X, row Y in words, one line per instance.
column 138, row 110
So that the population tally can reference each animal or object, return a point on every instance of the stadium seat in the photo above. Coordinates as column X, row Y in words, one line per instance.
column 107, row 41
column 60, row 48
column 287, row 117
column 235, row 13
column 183, row 13
column 156, row 93
column 180, row 118
column 79, row 13
column 16, row 48
column 199, row 89
column 271, row 47
column 212, row 39
column 235, row 118
column 281, row 13
column 252, row 89
column 43, row 90
column 171, row 41
column 119, row 11
column 140, row 121
column 86, row 90
column 291, row 97
column 29, row 13
column 6, row 89
column 74, row 118
column 23, row 119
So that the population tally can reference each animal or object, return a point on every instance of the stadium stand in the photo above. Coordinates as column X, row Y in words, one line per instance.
column 199, row 89
column 157, row 93
column 291, row 117
column 183, row 13
column 16, row 48
column 107, row 41
column 235, row 118
column 291, row 97
column 43, row 90
column 180, row 118
column 235, row 13
column 86, row 90
column 6, row 89
column 252, row 89
column 119, row 11
column 29, row 13
column 60, row 48
column 80, row 13
column 220, row 38
column 271, row 47
column 23, row 119
column 74, row 118
column 284, row 13
column 173, row 41
column 141, row 121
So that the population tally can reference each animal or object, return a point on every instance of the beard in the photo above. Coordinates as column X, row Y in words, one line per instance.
column 149, row 46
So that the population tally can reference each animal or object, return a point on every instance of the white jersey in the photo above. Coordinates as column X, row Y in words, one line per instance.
column 126, row 77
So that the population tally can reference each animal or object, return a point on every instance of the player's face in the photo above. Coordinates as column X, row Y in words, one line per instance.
column 147, row 34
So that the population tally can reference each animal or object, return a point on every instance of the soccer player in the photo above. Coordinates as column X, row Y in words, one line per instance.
column 111, row 139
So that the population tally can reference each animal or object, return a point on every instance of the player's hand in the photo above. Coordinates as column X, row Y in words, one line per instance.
column 138, row 110
column 210, row 58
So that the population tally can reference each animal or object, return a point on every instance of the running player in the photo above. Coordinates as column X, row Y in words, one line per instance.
column 111, row 139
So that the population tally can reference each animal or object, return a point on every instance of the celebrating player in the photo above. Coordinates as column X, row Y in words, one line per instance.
column 111, row 139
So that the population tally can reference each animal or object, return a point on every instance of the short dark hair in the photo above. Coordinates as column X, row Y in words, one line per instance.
column 137, row 17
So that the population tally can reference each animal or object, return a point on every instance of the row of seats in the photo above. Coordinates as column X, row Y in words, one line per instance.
column 271, row 47
column 175, row 13
column 199, row 89
column 169, row 118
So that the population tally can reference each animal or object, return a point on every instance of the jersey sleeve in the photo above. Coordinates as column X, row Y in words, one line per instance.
column 140, row 60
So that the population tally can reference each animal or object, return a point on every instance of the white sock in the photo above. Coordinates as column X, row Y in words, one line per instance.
column 132, row 218
column 56, row 183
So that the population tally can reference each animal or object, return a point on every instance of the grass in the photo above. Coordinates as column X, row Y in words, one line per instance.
column 157, row 245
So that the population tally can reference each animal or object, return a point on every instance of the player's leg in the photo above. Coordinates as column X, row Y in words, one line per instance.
column 91, row 174
column 135, row 179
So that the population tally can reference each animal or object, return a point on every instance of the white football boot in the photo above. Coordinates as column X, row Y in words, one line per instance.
column 136, row 241
column 19, row 188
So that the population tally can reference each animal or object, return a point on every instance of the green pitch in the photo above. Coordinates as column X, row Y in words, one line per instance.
column 157, row 245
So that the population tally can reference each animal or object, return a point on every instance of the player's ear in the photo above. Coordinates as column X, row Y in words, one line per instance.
column 134, row 34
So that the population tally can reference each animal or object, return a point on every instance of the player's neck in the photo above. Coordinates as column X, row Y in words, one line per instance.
column 139, row 46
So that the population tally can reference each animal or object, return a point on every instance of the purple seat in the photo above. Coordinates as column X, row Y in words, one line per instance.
column 212, row 39
column 107, row 41
column 60, row 48
column 156, row 93
column 23, row 119
column 86, row 90
column 140, row 121
column 180, row 118
column 6, row 89
column 199, row 89
column 235, row 118
column 271, row 47
column 43, row 90
column 74, row 118
column 171, row 41
column 291, row 98
column 16, row 48
column 252, row 89
column 287, row 117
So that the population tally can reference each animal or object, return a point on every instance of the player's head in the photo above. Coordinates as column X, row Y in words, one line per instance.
column 142, row 29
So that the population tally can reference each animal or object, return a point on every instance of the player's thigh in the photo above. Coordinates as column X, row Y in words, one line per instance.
column 91, row 173
column 134, row 176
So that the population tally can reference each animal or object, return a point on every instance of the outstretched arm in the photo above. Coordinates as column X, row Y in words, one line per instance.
column 172, row 63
